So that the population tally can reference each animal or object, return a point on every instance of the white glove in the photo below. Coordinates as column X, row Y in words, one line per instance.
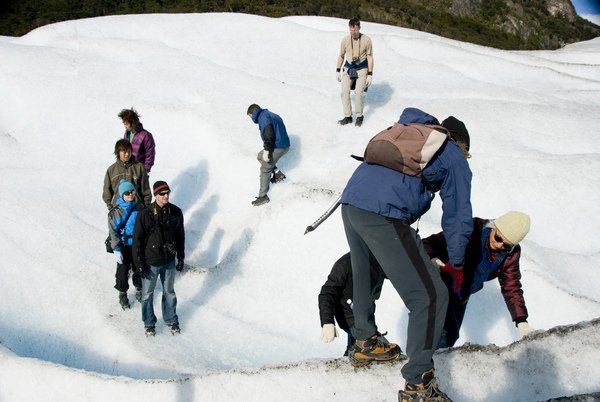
column 437, row 262
column 524, row 329
column 328, row 333
column 265, row 155
column 369, row 81
column 338, row 75
column 118, row 257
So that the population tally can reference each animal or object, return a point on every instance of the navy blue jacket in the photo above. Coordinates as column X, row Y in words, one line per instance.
column 387, row 192
column 272, row 130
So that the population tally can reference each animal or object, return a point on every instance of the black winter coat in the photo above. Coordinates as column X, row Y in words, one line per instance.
column 158, row 236
column 335, row 299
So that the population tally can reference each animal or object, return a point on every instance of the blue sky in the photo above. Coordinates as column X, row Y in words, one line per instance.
column 586, row 6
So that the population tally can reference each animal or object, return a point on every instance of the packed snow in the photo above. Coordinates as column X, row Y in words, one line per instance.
column 248, row 313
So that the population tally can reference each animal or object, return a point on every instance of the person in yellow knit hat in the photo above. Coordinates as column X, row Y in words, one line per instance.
column 492, row 252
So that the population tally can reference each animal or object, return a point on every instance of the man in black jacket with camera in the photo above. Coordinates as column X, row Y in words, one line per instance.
column 159, row 238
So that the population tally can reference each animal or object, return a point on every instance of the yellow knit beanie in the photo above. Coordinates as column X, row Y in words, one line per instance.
column 513, row 225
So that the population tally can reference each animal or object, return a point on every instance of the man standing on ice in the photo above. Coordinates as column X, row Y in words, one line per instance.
column 357, row 72
column 158, row 239
column 276, row 143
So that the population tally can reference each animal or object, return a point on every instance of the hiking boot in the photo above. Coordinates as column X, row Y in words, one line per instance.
column 359, row 121
column 123, row 300
column 277, row 177
column 372, row 350
column 174, row 328
column 345, row 120
column 138, row 294
column 150, row 331
column 427, row 391
column 261, row 200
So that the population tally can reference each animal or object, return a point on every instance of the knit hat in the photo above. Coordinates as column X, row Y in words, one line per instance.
column 160, row 186
column 513, row 225
column 125, row 186
column 458, row 130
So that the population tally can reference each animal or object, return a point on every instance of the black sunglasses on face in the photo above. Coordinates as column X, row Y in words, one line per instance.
column 128, row 192
column 505, row 246
column 164, row 193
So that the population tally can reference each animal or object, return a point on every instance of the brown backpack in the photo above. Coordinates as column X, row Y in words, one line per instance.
column 407, row 148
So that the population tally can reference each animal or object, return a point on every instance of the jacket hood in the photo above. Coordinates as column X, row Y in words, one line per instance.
column 255, row 114
column 412, row 115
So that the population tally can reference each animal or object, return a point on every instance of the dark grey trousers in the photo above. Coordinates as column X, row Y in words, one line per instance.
column 267, row 168
column 400, row 252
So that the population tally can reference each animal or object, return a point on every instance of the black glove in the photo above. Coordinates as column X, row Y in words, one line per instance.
column 179, row 266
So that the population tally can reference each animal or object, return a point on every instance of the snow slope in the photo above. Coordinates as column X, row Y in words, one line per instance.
column 250, row 326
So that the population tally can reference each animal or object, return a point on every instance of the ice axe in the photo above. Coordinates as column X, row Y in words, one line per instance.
column 323, row 217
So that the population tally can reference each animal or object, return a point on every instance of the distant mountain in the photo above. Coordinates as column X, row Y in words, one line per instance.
column 504, row 24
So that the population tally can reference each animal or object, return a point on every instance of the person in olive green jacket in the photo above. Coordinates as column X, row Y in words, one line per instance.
column 128, row 168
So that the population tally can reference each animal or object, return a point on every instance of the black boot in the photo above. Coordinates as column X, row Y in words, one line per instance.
column 345, row 120
column 123, row 300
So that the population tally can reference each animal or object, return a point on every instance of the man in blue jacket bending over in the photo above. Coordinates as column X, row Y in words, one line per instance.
column 378, row 206
column 276, row 143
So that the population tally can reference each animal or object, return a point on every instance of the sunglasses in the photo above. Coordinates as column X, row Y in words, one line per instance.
column 128, row 193
column 506, row 247
column 164, row 193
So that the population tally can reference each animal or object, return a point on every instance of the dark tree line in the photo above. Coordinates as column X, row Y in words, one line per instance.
column 485, row 24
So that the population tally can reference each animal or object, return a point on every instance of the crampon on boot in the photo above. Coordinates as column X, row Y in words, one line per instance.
column 426, row 391
column 375, row 349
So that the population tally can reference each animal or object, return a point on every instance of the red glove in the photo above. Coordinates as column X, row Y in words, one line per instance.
column 456, row 273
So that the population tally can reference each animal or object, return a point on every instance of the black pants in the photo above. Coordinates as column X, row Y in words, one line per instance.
column 454, row 315
column 122, row 274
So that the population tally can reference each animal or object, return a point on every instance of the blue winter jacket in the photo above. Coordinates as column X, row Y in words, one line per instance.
column 121, row 222
column 387, row 192
column 264, row 118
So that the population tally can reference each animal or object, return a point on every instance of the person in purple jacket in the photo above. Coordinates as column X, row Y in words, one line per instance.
column 141, row 140
column 378, row 206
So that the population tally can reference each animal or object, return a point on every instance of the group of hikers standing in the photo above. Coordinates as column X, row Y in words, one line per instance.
column 147, row 238
column 434, row 276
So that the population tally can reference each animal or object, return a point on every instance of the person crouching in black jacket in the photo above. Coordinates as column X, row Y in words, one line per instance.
column 335, row 299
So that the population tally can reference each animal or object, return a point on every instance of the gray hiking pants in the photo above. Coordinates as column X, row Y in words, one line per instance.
column 400, row 252
column 267, row 168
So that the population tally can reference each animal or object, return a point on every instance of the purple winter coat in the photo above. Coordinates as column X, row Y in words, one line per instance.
column 143, row 147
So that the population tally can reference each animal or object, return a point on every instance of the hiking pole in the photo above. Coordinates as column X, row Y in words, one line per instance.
column 323, row 217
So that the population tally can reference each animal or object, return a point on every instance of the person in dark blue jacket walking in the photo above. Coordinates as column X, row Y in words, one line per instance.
column 276, row 143
column 378, row 206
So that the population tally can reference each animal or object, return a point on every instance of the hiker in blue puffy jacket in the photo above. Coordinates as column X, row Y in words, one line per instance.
column 121, row 221
column 276, row 143
column 378, row 206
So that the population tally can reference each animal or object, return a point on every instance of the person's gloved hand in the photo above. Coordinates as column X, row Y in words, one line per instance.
column 369, row 81
column 524, row 329
column 265, row 156
column 456, row 273
column 179, row 266
column 437, row 262
column 338, row 75
column 328, row 333
column 118, row 257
